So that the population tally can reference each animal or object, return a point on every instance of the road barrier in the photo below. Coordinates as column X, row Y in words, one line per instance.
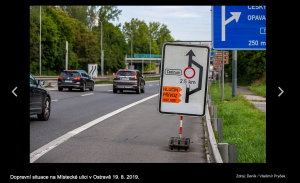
column 221, row 152
column 53, row 79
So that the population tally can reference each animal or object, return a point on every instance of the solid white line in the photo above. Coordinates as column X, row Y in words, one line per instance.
column 41, row 151
column 54, row 100
column 87, row 94
column 150, row 85
column 109, row 90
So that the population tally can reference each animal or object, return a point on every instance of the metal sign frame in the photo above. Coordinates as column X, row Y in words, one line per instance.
column 189, row 63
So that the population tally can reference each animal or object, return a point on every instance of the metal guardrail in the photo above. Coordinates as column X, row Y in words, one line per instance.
column 52, row 79
column 214, row 153
column 215, row 156
column 142, row 55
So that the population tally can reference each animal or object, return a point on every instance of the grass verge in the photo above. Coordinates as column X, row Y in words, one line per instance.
column 152, row 79
column 243, row 125
column 111, row 81
column 260, row 90
column 104, row 82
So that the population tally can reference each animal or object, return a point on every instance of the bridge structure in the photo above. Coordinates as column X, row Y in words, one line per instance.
column 140, row 59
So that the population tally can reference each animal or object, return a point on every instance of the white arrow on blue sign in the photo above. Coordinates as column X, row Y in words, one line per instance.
column 239, row 27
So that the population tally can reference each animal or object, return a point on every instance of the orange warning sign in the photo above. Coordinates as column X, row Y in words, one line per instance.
column 171, row 94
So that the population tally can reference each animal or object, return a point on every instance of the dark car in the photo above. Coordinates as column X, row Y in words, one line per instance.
column 40, row 100
column 129, row 80
column 78, row 79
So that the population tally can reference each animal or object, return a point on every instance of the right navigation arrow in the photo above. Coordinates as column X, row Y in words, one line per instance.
column 281, row 92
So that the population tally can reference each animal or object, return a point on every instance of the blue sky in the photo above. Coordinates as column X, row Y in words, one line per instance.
column 186, row 23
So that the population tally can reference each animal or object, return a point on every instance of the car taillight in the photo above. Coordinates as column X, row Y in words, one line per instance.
column 77, row 78
column 69, row 71
column 59, row 77
column 135, row 75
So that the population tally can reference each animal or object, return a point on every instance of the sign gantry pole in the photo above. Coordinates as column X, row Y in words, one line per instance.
column 234, row 72
column 222, row 76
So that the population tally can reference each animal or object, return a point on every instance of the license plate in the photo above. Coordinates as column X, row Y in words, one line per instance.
column 68, row 81
column 124, row 86
column 124, row 78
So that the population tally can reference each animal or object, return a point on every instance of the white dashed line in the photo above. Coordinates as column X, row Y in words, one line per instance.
column 87, row 94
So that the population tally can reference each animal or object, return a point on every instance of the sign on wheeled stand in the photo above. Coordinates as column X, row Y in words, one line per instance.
column 183, row 85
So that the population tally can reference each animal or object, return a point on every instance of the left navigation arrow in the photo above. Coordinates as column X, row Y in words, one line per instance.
column 13, row 91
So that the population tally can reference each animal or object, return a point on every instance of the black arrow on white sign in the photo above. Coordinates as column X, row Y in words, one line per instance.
column 191, row 61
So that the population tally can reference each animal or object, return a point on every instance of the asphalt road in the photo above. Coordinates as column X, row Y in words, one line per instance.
column 137, row 134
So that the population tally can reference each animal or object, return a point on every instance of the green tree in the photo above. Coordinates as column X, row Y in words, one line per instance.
column 85, row 46
column 114, row 46
column 109, row 13
column 77, row 12
column 164, row 35
column 251, row 65
column 33, row 45
column 92, row 16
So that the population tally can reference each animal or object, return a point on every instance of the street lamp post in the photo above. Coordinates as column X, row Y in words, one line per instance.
column 131, row 52
column 102, row 57
column 101, row 52
column 40, row 38
column 150, row 55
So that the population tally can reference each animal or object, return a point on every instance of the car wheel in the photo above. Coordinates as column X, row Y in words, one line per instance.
column 83, row 88
column 92, row 89
column 143, row 90
column 60, row 89
column 70, row 89
column 115, row 90
column 138, row 90
column 44, row 116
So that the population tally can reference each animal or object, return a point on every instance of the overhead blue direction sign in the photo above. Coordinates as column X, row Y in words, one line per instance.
column 238, row 27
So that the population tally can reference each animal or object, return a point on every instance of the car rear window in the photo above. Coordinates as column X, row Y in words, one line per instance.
column 70, row 74
column 125, row 73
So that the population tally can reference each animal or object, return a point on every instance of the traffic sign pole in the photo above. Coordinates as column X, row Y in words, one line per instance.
column 222, row 75
column 180, row 129
column 234, row 73
column 219, row 76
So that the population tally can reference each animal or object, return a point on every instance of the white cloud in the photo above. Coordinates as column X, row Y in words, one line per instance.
column 184, row 22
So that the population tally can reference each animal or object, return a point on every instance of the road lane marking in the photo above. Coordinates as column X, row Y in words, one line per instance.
column 44, row 149
column 150, row 85
column 109, row 90
column 54, row 100
column 87, row 94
